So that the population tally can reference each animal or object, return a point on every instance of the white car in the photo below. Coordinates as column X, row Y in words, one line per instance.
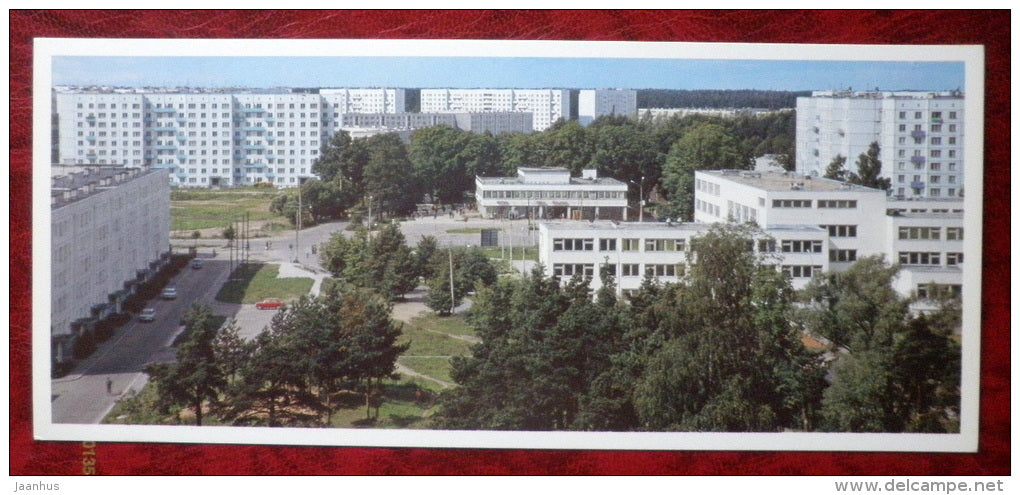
column 147, row 314
column 169, row 293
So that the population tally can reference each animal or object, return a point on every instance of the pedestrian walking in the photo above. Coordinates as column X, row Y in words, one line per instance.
column 109, row 386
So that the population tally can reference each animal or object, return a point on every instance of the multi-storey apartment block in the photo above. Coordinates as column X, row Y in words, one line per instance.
column 206, row 139
column 546, row 105
column 594, row 103
column 110, row 231
column 550, row 193
column 920, row 135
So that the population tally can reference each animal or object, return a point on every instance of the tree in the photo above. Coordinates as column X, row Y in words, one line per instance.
column 382, row 261
column 436, row 154
column 470, row 268
column 836, row 169
column 195, row 377
column 724, row 356
column 869, row 170
column 896, row 371
column 389, row 178
column 703, row 147
column 626, row 153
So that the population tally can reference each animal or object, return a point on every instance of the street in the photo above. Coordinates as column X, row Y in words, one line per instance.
column 114, row 370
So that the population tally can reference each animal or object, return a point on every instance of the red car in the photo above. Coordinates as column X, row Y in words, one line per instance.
column 269, row 303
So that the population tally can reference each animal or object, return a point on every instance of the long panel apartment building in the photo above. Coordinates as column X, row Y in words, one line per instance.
column 811, row 225
column 205, row 139
column 546, row 105
column 920, row 135
column 110, row 231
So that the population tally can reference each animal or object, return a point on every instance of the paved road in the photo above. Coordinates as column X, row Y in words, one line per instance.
column 82, row 396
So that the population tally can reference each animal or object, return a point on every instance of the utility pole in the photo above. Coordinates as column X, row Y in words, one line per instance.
column 453, row 300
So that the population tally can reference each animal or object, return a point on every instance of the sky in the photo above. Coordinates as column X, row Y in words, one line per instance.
column 505, row 72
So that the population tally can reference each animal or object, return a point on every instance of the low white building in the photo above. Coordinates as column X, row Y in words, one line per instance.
column 551, row 193
column 815, row 225
column 634, row 250
column 110, row 229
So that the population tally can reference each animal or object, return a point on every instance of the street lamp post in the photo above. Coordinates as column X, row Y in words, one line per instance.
column 297, row 223
column 641, row 199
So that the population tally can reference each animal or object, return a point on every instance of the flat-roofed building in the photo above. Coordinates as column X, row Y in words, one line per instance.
column 595, row 103
column 551, row 193
column 110, row 229
column 634, row 250
column 546, row 105
column 920, row 136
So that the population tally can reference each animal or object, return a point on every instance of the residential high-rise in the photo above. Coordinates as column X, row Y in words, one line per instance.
column 594, row 103
column 920, row 136
column 546, row 105
column 110, row 229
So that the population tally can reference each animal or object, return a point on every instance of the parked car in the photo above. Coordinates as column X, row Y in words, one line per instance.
column 169, row 293
column 269, row 303
column 147, row 314
column 197, row 263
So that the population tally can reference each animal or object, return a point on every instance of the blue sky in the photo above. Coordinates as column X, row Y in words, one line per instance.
column 510, row 72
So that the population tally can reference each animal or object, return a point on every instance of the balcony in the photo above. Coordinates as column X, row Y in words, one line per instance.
column 918, row 185
column 917, row 160
column 253, row 110
column 164, row 128
column 182, row 156
column 250, row 147
column 91, row 139
column 163, row 110
column 165, row 147
column 181, row 138
column 253, row 128
column 917, row 134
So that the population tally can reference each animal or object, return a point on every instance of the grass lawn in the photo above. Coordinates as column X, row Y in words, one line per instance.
column 254, row 282
column 196, row 209
column 432, row 335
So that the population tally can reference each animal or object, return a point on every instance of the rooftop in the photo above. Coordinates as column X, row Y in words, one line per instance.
column 73, row 183
column 785, row 181
column 603, row 225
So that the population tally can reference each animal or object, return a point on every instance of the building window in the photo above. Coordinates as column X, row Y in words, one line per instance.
column 631, row 244
column 919, row 258
column 766, row 246
column 791, row 203
column 660, row 270
column 801, row 271
column 631, row 270
column 837, row 203
column 795, row 246
column 954, row 233
column 664, row 245
column 920, row 233
column 561, row 244
column 953, row 259
column 607, row 244
column 841, row 230
column 842, row 255
column 566, row 270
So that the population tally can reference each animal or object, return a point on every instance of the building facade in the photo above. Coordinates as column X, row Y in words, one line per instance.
column 920, row 135
column 110, row 229
column 635, row 250
column 545, row 105
column 551, row 193
column 811, row 225
column 594, row 103
column 208, row 139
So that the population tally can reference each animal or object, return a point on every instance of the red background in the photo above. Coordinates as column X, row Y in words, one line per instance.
column 988, row 28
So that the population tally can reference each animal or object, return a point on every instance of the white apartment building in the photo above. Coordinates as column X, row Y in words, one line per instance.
column 110, row 229
column 550, row 193
column 365, row 100
column 546, row 105
column 920, row 135
column 594, row 103
column 207, row 139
